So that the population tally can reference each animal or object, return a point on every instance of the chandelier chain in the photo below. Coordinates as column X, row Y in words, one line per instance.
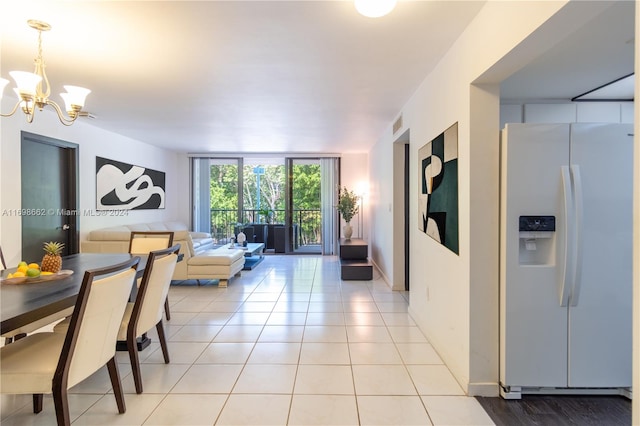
column 40, row 69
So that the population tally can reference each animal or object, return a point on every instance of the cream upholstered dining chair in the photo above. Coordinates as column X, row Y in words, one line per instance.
column 21, row 332
column 54, row 362
column 143, row 242
column 146, row 312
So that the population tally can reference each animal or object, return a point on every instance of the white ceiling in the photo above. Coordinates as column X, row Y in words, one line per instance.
column 265, row 76
column 599, row 52
column 307, row 76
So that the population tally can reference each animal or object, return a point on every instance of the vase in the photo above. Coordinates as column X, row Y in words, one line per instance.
column 347, row 230
column 241, row 238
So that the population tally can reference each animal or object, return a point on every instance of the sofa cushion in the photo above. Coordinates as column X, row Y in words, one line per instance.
column 123, row 233
column 116, row 233
column 190, row 248
column 167, row 226
column 201, row 244
column 219, row 256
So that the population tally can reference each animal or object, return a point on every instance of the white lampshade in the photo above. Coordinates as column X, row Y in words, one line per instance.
column 74, row 97
column 25, row 105
column 374, row 8
column 3, row 83
column 26, row 82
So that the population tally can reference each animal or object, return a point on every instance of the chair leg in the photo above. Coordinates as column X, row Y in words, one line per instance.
column 163, row 341
column 132, row 348
column 61, row 402
column 166, row 309
column 116, row 385
column 37, row 402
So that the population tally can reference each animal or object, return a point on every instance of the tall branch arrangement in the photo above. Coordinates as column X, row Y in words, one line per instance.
column 347, row 204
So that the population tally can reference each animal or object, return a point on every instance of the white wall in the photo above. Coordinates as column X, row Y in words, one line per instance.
column 381, row 212
column 354, row 175
column 454, row 299
column 92, row 142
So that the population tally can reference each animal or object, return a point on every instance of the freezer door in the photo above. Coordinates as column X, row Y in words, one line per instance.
column 600, row 305
column 533, row 324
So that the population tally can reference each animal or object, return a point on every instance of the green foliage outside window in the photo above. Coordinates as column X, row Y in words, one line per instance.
column 223, row 182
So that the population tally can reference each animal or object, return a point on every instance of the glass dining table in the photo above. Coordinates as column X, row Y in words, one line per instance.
column 24, row 303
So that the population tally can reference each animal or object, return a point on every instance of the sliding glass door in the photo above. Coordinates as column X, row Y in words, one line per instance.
column 263, row 208
column 306, row 215
column 281, row 202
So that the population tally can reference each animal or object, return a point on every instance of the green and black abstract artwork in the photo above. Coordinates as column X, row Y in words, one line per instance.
column 438, row 186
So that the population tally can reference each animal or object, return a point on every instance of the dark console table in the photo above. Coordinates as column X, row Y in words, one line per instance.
column 354, row 262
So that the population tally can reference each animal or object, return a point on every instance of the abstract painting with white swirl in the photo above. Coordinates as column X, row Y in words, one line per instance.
column 122, row 186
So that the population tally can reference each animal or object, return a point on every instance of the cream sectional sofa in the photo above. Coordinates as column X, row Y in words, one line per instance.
column 201, row 260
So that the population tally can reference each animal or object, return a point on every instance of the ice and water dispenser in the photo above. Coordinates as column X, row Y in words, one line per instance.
column 537, row 240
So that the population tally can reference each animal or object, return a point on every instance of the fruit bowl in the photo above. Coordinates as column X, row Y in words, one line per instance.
column 28, row 280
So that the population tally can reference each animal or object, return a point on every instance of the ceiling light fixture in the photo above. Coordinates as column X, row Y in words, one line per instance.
column 374, row 8
column 30, row 91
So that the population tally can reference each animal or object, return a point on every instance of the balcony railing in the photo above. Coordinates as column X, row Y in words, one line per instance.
column 307, row 221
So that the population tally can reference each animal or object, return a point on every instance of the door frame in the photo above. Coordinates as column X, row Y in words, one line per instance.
column 72, row 161
column 401, row 211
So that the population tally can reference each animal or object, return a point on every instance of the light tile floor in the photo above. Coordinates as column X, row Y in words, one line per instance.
column 288, row 343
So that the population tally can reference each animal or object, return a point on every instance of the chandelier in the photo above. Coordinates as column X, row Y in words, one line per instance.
column 32, row 96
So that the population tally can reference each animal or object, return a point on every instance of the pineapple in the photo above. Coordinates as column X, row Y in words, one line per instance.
column 52, row 261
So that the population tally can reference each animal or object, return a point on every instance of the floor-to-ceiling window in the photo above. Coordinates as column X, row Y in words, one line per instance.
column 306, row 214
column 216, row 195
column 263, row 190
column 283, row 202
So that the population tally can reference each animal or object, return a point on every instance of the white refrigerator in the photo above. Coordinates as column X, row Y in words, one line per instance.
column 566, row 258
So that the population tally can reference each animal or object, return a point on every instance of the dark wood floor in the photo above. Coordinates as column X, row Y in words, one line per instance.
column 559, row 410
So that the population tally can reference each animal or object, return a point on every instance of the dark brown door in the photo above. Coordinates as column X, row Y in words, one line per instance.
column 49, row 195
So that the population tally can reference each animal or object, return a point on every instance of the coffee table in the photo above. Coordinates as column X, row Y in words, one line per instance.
column 253, row 254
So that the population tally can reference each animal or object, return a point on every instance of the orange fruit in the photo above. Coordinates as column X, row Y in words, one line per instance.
column 34, row 266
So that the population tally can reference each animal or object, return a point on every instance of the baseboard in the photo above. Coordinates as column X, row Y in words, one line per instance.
column 382, row 275
column 489, row 389
column 483, row 389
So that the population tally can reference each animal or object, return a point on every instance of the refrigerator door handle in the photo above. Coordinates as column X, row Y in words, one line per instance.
column 577, row 260
column 566, row 278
